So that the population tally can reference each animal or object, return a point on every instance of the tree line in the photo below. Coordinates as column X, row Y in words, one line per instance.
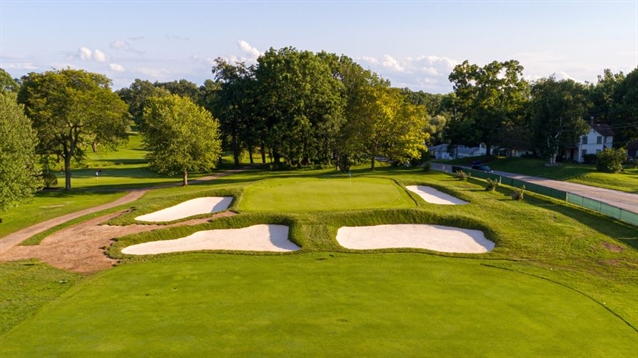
column 296, row 108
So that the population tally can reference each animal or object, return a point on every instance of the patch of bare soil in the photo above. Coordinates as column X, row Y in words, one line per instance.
column 81, row 247
column 612, row 247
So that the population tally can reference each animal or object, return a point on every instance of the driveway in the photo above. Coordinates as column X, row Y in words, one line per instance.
column 615, row 198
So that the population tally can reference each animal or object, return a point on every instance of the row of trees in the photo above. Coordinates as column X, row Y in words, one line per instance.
column 495, row 105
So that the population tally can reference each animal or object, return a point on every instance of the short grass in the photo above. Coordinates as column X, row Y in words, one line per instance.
column 573, row 172
column 329, row 193
column 320, row 304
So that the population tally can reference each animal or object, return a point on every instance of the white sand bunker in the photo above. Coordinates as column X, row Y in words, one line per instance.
column 420, row 236
column 434, row 196
column 252, row 238
column 188, row 208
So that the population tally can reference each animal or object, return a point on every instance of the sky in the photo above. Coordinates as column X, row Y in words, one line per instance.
column 414, row 44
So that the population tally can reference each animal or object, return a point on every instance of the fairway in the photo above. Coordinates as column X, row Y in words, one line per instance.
column 332, row 304
column 310, row 194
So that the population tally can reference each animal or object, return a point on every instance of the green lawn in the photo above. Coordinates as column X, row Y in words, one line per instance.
column 331, row 305
column 329, row 193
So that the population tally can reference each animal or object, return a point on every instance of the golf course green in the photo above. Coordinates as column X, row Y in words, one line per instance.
column 329, row 304
column 324, row 194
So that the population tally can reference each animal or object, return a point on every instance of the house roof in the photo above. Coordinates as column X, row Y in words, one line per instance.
column 604, row 129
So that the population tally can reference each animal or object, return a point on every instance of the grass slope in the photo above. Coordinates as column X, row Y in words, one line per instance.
column 369, row 305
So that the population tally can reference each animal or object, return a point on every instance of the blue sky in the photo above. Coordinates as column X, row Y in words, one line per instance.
column 414, row 44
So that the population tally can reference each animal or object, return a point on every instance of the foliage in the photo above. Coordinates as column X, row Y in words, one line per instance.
column 7, row 83
column 137, row 95
column 611, row 160
column 489, row 99
column 180, row 136
column 49, row 179
column 18, row 172
column 590, row 158
column 492, row 184
column 73, row 110
column 518, row 193
column 461, row 175
column 558, row 109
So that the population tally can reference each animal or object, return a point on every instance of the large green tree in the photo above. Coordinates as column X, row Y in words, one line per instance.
column 7, row 83
column 73, row 110
column 558, row 111
column 301, row 104
column 180, row 136
column 489, row 98
column 18, row 173
column 623, row 116
column 136, row 96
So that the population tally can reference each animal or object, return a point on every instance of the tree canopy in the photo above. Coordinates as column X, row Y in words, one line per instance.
column 72, row 110
column 180, row 136
column 18, row 172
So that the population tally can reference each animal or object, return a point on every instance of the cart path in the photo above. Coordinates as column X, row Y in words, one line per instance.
column 17, row 237
column 619, row 199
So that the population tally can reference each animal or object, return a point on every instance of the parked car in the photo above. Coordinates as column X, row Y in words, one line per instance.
column 483, row 168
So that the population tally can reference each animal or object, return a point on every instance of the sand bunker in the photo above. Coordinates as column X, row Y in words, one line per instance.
column 188, row 208
column 434, row 196
column 252, row 238
column 421, row 236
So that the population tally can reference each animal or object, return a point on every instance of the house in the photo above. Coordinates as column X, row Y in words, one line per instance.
column 443, row 151
column 439, row 151
column 600, row 137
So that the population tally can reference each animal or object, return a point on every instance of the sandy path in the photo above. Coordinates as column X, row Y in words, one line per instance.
column 253, row 238
column 80, row 248
column 434, row 196
column 421, row 236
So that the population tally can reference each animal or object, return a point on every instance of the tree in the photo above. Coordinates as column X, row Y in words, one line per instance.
column 71, row 111
column 181, row 136
column 623, row 116
column 7, row 83
column 182, row 88
column 136, row 96
column 301, row 104
column 558, row 109
column 489, row 98
column 18, row 173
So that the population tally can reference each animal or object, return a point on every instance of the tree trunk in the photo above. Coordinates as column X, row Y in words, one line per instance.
column 250, row 152
column 372, row 163
column 185, row 178
column 263, row 154
column 67, row 172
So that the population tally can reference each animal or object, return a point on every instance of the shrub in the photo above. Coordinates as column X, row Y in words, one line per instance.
column 610, row 160
column 49, row 180
column 427, row 166
column 492, row 184
column 589, row 158
column 519, row 193
column 461, row 175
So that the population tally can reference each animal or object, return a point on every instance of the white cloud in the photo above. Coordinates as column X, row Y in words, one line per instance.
column 390, row 62
column 155, row 73
column 99, row 56
column 85, row 54
column 120, row 45
column 368, row 59
column 20, row 66
column 116, row 67
column 252, row 52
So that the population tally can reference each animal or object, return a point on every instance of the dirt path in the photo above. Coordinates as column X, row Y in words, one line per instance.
column 80, row 247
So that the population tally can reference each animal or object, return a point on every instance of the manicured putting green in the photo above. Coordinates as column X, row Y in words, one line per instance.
column 308, row 194
column 323, row 304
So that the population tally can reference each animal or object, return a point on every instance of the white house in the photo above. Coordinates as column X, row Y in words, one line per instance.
column 600, row 136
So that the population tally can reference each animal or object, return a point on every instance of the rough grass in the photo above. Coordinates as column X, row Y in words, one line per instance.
column 336, row 304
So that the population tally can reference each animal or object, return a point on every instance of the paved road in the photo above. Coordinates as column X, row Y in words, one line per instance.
column 616, row 198
column 17, row 237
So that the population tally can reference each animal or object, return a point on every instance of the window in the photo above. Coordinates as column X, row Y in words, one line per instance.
column 584, row 140
column 599, row 140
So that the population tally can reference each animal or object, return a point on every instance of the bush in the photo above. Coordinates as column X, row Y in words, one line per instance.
column 49, row 180
column 426, row 166
column 519, row 193
column 610, row 160
column 492, row 184
column 589, row 158
column 461, row 175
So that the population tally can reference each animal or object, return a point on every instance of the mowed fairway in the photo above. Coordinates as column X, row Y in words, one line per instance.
column 319, row 304
column 310, row 194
